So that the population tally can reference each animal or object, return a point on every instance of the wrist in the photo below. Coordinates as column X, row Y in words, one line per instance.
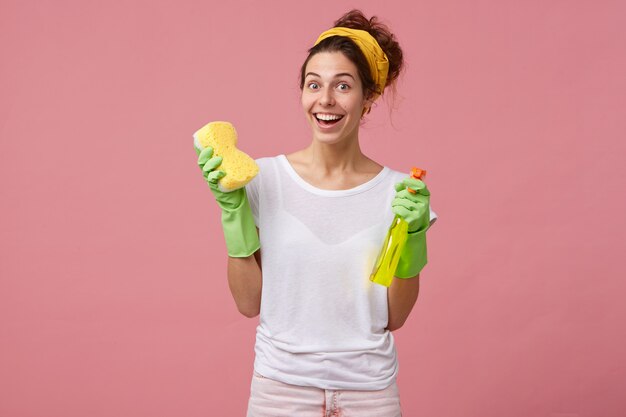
column 239, row 228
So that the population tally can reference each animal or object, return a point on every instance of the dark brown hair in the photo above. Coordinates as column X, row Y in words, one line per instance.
column 355, row 19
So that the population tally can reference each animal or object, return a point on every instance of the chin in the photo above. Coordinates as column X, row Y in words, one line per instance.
column 330, row 138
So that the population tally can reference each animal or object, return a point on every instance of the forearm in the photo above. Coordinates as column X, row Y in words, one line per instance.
column 245, row 282
column 401, row 297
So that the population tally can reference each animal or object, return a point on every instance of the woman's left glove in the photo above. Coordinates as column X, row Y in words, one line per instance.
column 415, row 210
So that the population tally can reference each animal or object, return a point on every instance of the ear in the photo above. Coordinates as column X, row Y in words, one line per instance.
column 367, row 105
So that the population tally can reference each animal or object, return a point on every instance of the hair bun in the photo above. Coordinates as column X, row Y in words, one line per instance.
column 355, row 19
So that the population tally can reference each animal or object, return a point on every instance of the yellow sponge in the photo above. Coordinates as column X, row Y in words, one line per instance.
column 240, row 169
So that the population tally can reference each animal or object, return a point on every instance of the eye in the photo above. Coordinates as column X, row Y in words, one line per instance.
column 313, row 85
column 343, row 86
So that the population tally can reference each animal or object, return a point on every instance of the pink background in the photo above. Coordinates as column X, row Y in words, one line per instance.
column 113, row 291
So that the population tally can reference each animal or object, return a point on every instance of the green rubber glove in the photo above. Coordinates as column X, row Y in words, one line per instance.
column 415, row 210
column 238, row 224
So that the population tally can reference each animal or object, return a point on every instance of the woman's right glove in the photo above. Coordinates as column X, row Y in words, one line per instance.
column 238, row 224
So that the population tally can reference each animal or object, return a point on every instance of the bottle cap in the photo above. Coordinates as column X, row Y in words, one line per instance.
column 418, row 174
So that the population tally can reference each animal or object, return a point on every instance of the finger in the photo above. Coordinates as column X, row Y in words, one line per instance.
column 403, row 202
column 415, row 184
column 411, row 196
column 417, row 207
column 215, row 176
column 401, row 211
column 409, row 182
column 212, row 164
column 205, row 155
column 423, row 192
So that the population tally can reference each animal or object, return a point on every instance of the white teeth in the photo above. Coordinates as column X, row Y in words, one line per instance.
column 328, row 117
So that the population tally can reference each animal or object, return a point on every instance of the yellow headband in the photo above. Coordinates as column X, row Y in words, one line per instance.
column 376, row 58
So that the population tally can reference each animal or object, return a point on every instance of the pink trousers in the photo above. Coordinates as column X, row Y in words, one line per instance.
column 270, row 398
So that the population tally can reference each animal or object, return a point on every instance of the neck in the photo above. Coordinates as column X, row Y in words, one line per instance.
column 334, row 159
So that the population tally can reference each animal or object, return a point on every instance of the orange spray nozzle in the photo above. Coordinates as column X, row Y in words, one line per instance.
column 418, row 174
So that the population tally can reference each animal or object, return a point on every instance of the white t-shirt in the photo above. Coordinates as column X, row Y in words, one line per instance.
column 322, row 321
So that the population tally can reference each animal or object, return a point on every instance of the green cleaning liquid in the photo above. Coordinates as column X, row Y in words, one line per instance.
column 389, row 255
column 388, row 258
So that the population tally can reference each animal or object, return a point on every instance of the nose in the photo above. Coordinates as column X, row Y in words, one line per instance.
column 327, row 98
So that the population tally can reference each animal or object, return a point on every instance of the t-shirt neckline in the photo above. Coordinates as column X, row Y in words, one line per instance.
column 331, row 193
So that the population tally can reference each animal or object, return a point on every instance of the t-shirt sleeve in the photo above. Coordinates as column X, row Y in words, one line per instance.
column 433, row 216
column 252, row 192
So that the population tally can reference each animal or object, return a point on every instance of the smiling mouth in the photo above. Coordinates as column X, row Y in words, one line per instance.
column 327, row 120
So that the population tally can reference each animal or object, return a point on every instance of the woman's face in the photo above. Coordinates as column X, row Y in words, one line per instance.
column 332, row 97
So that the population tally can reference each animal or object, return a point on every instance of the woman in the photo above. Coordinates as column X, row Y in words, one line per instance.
column 324, row 340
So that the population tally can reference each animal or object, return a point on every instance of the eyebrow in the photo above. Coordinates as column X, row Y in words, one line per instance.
column 341, row 74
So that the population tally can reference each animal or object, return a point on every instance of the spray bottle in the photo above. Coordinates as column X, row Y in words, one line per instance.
column 387, row 261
